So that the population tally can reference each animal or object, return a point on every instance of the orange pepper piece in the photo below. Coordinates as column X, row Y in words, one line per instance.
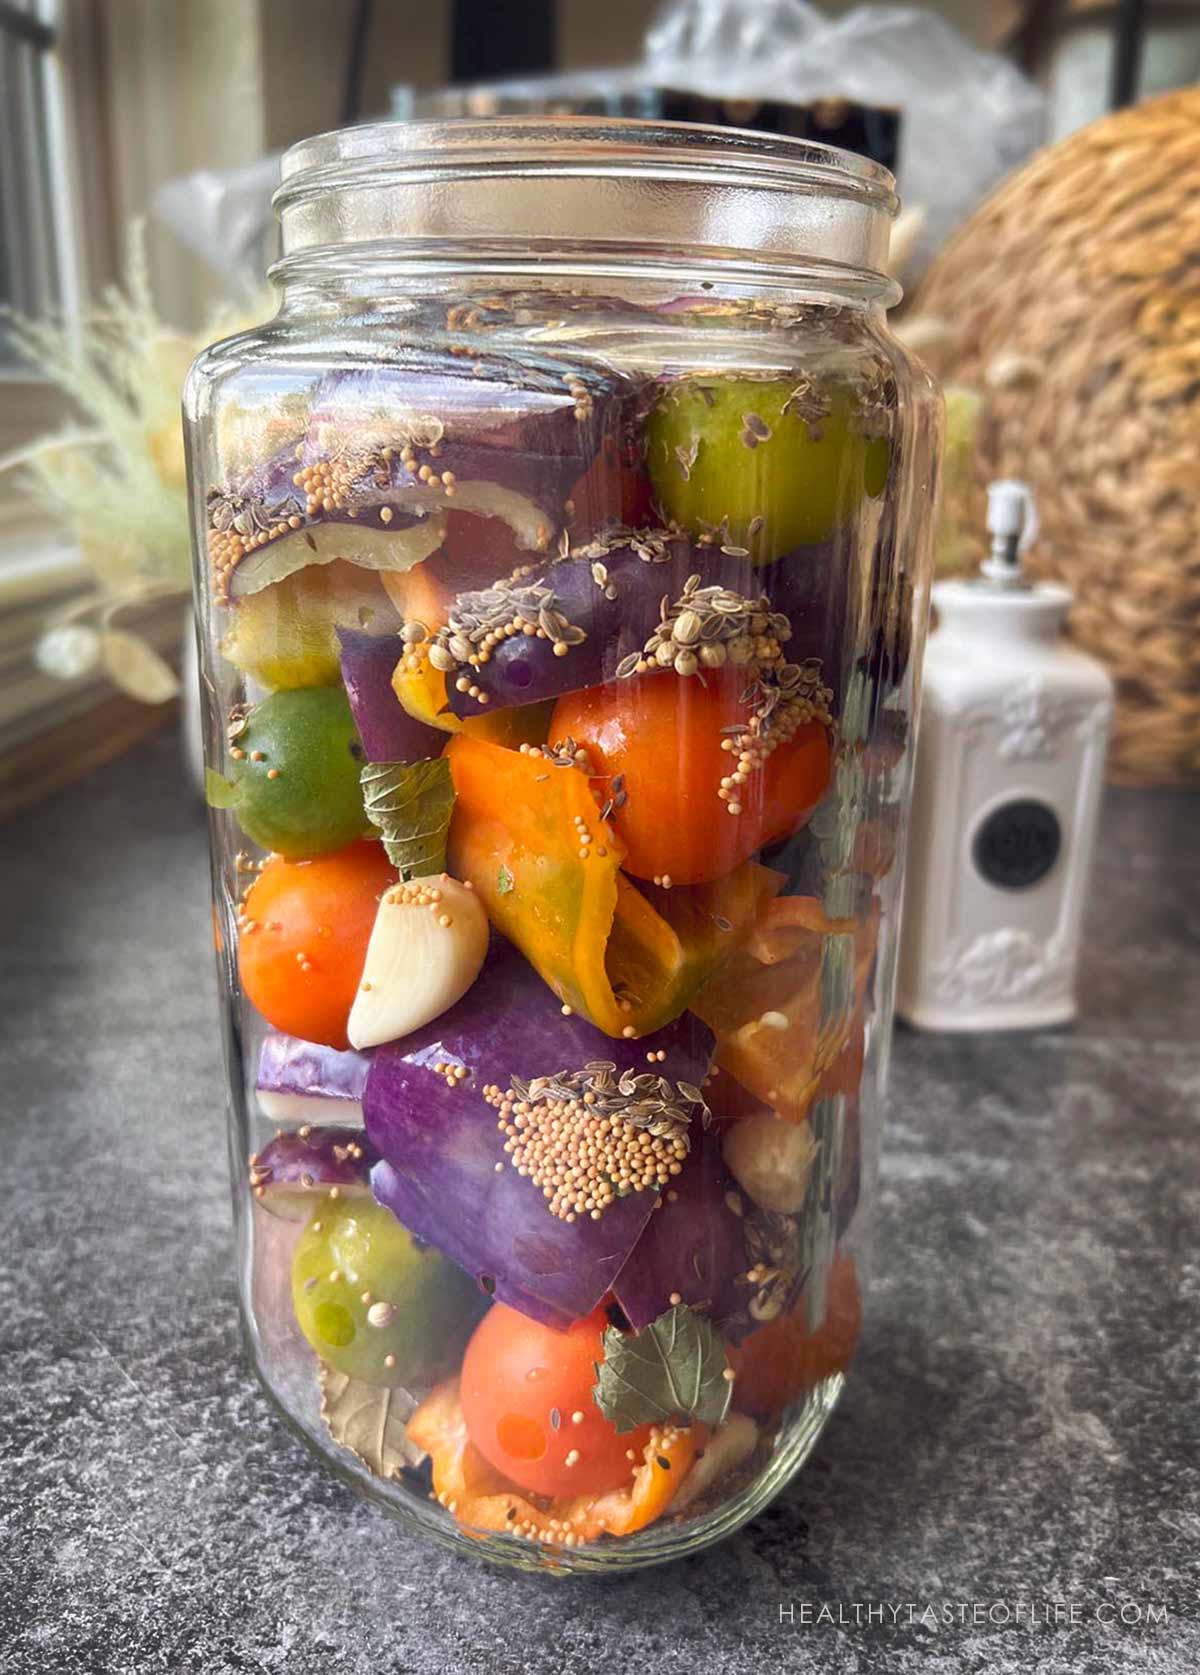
column 779, row 971
column 665, row 1463
column 788, row 924
column 484, row 1501
column 528, row 835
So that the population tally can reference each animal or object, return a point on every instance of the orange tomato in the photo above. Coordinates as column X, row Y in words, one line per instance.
column 305, row 929
column 418, row 594
column 781, row 1360
column 663, row 733
column 522, row 1384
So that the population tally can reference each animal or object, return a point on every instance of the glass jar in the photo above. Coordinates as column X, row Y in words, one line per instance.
column 562, row 568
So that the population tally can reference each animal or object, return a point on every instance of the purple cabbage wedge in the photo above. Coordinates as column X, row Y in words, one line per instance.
column 294, row 1170
column 389, row 450
column 268, row 525
column 701, row 1246
column 440, row 1144
column 387, row 731
column 609, row 599
column 301, row 1082
column 433, row 438
column 609, row 605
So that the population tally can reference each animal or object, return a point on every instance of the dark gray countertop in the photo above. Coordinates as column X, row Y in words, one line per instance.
column 1021, row 1431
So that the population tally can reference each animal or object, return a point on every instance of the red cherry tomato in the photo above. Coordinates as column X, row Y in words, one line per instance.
column 305, row 926
column 664, row 734
column 518, row 1376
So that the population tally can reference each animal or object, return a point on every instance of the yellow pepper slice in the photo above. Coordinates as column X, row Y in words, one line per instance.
column 528, row 835
column 421, row 690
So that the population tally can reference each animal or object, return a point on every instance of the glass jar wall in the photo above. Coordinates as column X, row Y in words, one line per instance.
column 561, row 553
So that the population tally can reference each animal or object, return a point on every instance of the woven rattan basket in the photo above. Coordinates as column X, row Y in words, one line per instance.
column 1073, row 297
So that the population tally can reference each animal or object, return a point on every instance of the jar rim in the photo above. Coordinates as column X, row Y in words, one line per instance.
column 474, row 190
column 573, row 144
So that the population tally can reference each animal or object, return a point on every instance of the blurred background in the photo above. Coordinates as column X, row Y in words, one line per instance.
column 138, row 147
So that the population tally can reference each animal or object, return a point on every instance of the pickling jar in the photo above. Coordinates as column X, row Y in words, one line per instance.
column 562, row 552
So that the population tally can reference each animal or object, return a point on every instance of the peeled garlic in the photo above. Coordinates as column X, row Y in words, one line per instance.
column 730, row 1445
column 770, row 1159
column 426, row 948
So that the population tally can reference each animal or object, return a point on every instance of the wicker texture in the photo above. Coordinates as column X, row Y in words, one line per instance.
column 1074, row 295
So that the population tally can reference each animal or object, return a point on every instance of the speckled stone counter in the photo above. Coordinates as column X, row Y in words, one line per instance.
column 1021, row 1433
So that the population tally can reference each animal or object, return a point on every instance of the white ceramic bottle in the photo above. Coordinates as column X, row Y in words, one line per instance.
column 1010, row 763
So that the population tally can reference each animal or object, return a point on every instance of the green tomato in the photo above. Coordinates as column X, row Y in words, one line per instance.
column 734, row 450
column 420, row 1308
column 295, row 789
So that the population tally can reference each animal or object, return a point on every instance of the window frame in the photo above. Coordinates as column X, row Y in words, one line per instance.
column 70, row 73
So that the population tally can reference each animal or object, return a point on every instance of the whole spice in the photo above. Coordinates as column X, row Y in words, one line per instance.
column 587, row 1137
column 783, row 697
column 481, row 620
column 705, row 627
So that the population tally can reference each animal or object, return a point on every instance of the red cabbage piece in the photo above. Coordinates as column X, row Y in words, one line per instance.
column 694, row 1247
column 301, row 1082
column 702, row 1242
column 524, row 669
column 507, row 442
column 640, row 574
column 293, row 1170
column 387, row 731
column 440, row 1146
column 368, row 528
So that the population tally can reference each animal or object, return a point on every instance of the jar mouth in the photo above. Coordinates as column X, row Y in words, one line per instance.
column 580, row 143
column 653, row 186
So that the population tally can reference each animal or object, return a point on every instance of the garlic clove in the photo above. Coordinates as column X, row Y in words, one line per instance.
column 729, row 1447
column 426, row 949
column 771, row 1158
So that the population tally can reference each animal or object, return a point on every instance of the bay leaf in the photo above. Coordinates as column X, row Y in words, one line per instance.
column 369, row 1420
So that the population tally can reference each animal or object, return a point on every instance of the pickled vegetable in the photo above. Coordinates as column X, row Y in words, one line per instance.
column 569, row 803
column 526, row 1394
column 287, row 634
column 768, row 465
column 778, row 1363
column 665, row 744
column 372, row 1303
column 294, row 781
column 303, row 930
column 529, row 835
